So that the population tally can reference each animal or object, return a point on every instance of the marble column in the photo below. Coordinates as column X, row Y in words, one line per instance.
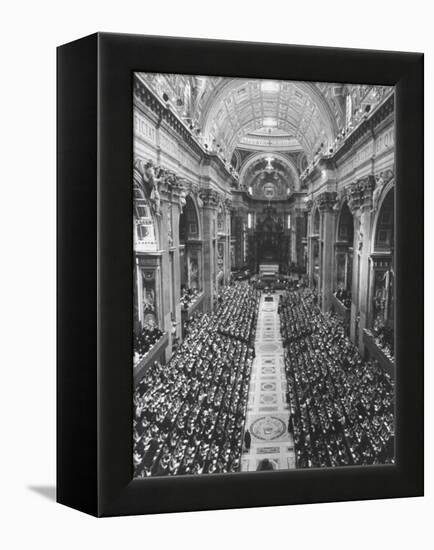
column 354, row 316
column 209, row 225
column 293, row 235
column 176, row 267
column 365, row 237
column 309, row 267
column 227, row 275
column 171, row 192
column 165, row 289
column 360, row 203
column 297, row 222
column 326, row 202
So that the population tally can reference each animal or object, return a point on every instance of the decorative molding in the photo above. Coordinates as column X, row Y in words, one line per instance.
column 359, row 194
column 326, row 201
column 381, row 179
column 209, row 197
column 145, row 97
column 158, row 183
column 309, row 205
column 381, row 260
column 367, row 126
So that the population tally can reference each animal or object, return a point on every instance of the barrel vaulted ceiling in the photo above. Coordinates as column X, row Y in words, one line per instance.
column 229, row 114
column 297, row 110
column 228, row 109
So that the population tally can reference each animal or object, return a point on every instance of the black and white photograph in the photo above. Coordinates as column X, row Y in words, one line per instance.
column 216, row 282
column 264, row 279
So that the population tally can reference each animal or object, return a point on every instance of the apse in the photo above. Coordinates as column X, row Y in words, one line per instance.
column 269, row 177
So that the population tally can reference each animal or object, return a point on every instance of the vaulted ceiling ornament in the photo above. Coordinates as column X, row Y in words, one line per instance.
column 241, row 107
column 219, row 113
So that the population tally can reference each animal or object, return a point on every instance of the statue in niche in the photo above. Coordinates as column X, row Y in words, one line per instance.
column 377, row 192
column 151, row 178
column 149, row 320
column 194, row 273
column 149, row 313
column 182, row 200
column 148, row 299
column 379, row 300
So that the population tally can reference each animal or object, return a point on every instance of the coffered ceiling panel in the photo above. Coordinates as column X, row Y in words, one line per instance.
column 225, row 113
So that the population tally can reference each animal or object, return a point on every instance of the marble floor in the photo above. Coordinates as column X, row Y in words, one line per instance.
column 267, row 408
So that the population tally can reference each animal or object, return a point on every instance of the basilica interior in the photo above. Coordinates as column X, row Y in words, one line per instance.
column 263, row 274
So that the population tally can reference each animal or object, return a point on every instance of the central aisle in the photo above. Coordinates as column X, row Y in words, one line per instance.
column 267, row 407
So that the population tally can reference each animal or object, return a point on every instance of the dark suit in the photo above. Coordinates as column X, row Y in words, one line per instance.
column 247, row 440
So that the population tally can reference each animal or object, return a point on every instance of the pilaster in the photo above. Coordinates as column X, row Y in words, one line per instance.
column 360, row 203
column 309, row 267
column 209, row 199
column 326, row 203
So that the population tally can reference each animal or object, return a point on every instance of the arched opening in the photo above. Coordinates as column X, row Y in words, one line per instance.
column 190, row 254
column 344, row 256
column 269, row 176
column 384, row 233
column 383, row 306
column 188, row 222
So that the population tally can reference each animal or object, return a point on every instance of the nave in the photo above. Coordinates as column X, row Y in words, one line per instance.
column 264, row 274
column 267, row 408
column 314, row 404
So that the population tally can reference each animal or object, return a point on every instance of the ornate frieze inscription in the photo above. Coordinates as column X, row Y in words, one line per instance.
column 361, row 156
column 144, row 129
column 385, row 141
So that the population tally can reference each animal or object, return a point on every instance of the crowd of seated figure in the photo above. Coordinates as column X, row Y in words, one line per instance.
column 344, row 296
column 281, row 282
column 188, row 296
column 341, row 407
column 144, row 340
column 190, row 321
column 237, row 311
column 384, row 337
column 189, row 415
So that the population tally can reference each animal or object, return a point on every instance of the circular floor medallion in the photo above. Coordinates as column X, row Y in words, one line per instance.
column 268, row 428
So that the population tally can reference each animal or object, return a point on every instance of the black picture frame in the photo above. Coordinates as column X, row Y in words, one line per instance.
column 94, row 374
